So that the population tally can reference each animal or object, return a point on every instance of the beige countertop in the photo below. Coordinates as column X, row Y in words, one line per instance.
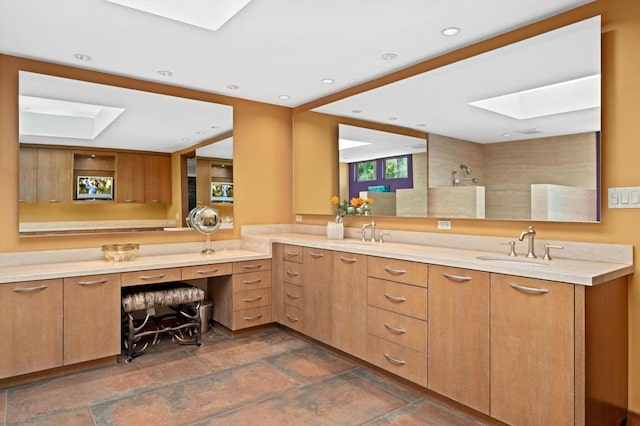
column 578, row 263
column 583, row 272
column 29, row 272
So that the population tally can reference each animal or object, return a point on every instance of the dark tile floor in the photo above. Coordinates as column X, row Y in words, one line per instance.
column 269, row 377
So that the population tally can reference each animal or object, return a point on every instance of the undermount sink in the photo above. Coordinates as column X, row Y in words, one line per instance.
column 524, row 260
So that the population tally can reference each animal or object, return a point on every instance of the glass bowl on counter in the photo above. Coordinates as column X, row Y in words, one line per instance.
column 120, row 252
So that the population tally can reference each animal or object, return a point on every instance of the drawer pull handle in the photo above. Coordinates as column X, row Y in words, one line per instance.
column 529, row 289
column 395, row 271
column 252, row 266
column 393, row 360
column 293, row 319
column 207, row 271
column 252, row 281
column 255, row 317
column 292, row 253
column 293, row 273
column 253, row 299
column 348, row 259
column 151, row 277
column 395, row 330
column 94, row 282
column 292, row 296
column 459, row 278
column 30, row 289
column 316, row 255
column 53, row 201
column 395, row 299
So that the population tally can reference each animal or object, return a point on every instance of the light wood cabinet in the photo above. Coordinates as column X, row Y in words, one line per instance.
column 349, row 303
column 397, row 311
column 28, row 181
column 243, row 299
column 157, row 180
column 130, row 178
column 45, row 175
column 459, row 339
column 532, row 351
column 91, row 317
column 32, row 326
column 292, row 288
column 317, row 293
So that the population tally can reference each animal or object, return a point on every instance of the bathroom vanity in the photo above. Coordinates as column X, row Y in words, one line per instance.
column 525, row 341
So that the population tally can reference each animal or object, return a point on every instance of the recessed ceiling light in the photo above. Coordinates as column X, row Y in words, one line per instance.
column 199, row 133
column 450, row 31
column 82, row 57
column 356, row 111
column 233, row 86
column 165, row 73
column 283, row 97
column 327, row 80
column 215, row 127
column 185, row 139
column 392, row 118
column 388, row 56
column 507, row 134
column 421, row 125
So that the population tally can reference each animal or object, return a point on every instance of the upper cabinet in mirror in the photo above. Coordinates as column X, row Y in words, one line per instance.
column 92, row 155
column 512, row 133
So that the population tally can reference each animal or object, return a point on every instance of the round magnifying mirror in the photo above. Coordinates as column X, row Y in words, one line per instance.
column 206, row 220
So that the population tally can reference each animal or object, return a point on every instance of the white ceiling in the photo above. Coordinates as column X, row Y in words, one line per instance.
column 270, row 48
column 284, row 47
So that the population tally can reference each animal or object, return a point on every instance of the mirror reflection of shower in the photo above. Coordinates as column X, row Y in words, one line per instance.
column 465, row 173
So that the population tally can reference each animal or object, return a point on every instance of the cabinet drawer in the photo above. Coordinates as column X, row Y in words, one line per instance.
column 293, row 317
column 292, row 273
column 211, row 270
column 251, row 281
column 292, row 295
column 151, row 277
column 400, row 329
column 404, row 362
column 251, row 299
column 403, row 271
column 251, row 266
column 292, row 253
column 251, row 317
column 401, row 298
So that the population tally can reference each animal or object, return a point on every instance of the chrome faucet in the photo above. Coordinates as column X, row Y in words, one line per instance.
column 372, row 226
column 531, row 234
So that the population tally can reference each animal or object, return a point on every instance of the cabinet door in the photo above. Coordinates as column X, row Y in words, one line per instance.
column 91, row 317
column 317, row 293
column 157, row 179
column 31, row 331
column 130, row 177
column 349, row 303
column 54, row 176
column 532, row 351
column 459, row 335
column 28, row 183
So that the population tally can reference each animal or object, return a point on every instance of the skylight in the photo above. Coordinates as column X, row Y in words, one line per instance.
column 56, row 118
column 208, row 14
column 567, row 96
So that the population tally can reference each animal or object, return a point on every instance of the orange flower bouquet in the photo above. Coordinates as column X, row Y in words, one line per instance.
column 355, row 207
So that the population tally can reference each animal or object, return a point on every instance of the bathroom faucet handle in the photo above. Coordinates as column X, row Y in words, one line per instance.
column 547, row 247
column 382, row 234
column 512, row 249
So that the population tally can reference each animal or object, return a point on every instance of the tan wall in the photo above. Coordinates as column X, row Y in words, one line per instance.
column 447, row 154
column 262, row 171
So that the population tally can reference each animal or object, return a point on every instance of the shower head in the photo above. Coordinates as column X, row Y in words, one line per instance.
column 466, row 169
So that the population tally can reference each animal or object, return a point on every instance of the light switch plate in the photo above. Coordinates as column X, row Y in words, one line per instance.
column 298, row 218
column 624, row 197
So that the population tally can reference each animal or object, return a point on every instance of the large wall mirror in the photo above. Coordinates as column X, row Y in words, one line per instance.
column 93, row 155
column 511, row 134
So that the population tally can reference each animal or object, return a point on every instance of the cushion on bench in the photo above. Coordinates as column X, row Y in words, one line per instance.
column 168, row 294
